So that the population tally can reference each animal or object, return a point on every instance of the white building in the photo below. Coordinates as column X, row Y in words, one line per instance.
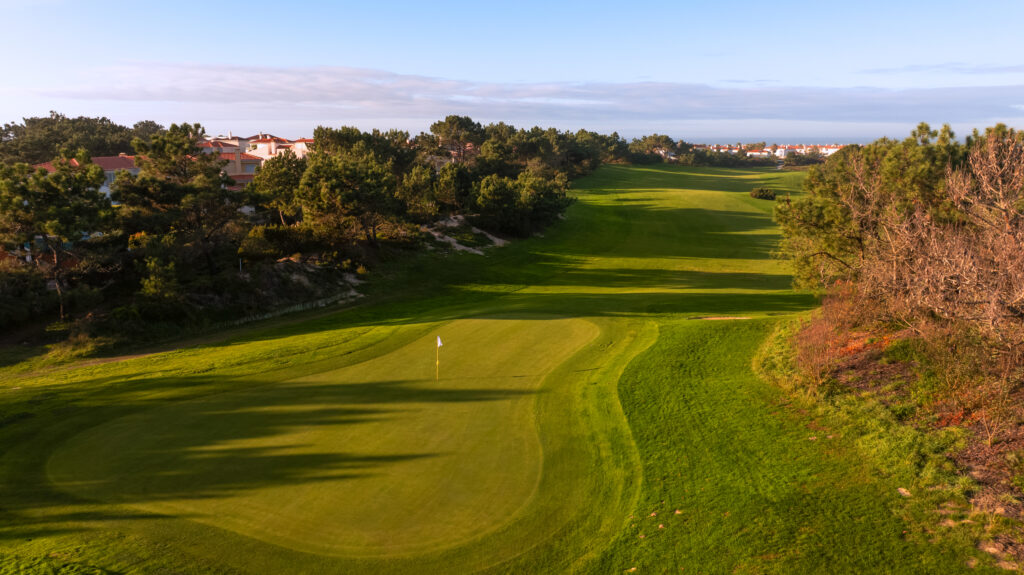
column 267, row 146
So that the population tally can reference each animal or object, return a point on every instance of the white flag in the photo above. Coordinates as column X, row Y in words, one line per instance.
column 439, row 344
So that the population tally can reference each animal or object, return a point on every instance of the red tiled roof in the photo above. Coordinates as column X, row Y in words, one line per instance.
column 306, row 140
column 110, row 163
column 245, row 157
column 49, row 167
column 107, row 163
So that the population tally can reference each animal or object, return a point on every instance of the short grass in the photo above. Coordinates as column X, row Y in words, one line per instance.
column 322, row 462
column 578, row 395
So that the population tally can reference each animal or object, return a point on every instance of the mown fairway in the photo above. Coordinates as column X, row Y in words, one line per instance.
column 586, row 419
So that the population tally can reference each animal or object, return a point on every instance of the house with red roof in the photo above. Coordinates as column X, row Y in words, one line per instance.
column 221, row 143
column 218, row 147
column 302, row 146
column 240, row 166
column 111, row 166
column 267, row 146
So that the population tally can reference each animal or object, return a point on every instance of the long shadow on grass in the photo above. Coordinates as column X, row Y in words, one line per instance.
column 669, row 177
column 463, row 303
column 650, row 230
column 207, row 444
column 445, row 303
column 660, row 278
column 15, row 353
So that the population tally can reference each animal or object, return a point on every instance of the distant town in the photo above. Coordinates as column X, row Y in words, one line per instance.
column 776, row 150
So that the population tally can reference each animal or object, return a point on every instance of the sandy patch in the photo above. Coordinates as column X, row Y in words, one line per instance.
column 452, row 242
column 494, row 239
column 455, row 222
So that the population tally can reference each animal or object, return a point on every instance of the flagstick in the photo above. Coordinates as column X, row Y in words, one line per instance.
column 437, row 360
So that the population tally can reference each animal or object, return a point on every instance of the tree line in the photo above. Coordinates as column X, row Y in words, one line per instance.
column 179, row 243
column 41, row 139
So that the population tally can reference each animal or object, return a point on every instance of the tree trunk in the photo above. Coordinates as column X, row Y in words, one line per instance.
column 210, row 264
column 60, row 297
column 281, row 214
column 56, row 282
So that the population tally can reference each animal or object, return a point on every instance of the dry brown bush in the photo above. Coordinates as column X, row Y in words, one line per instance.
column 816, row 352
column 965, row 267
column 820, row 343
column 954, row 273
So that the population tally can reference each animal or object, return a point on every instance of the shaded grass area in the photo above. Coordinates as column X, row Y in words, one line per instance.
column 260, row 418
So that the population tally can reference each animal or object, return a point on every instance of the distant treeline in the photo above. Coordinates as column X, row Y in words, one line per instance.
column 657, row 148
column 180, row 244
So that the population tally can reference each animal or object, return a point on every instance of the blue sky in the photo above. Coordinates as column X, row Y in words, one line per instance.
column 702, row 71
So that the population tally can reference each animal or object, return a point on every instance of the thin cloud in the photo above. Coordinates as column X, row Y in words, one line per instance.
column 949, row 68
column 748, row 82
column 356, row 93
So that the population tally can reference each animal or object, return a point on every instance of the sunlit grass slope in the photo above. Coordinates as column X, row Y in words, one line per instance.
column 580, row 391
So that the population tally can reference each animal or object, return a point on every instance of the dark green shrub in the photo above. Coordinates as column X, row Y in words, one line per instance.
column 84, row 298
column 763, row 193
column 276, row 241
column 23, row 294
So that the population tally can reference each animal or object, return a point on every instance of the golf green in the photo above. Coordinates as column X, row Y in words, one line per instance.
column 404, row 462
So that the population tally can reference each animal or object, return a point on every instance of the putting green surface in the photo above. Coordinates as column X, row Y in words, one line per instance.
column 374, row 458
column 586, row 419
